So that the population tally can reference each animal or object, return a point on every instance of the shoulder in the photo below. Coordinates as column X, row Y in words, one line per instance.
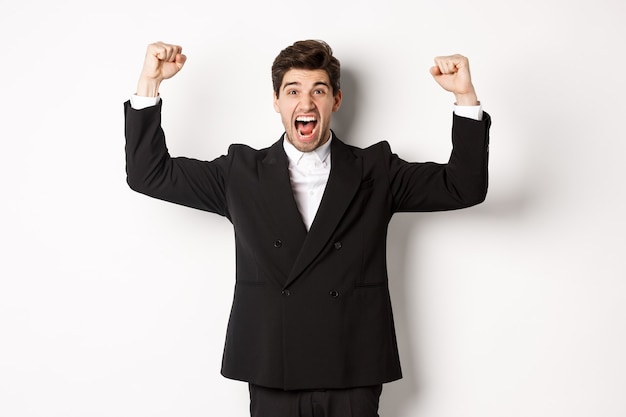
column 377, row 150
column 239, row 151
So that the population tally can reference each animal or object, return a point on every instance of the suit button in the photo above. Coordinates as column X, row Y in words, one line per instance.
column 278, row 243
column 286, row 293
column 334, row 294
column 338, row 245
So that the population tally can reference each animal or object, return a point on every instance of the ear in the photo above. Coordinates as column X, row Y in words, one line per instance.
column 337, row 102
column 276, row 108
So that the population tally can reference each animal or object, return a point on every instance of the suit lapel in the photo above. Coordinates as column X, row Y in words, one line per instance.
column 343, row 183
column 276, row 189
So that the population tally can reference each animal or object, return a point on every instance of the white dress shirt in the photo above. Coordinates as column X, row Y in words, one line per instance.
column 309, row 171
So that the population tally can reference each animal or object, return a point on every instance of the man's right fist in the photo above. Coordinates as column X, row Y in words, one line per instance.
column 162, row 61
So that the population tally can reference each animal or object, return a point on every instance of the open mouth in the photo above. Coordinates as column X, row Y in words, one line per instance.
column 305, row 125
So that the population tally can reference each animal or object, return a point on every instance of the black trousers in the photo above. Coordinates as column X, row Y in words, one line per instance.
column 350, row 402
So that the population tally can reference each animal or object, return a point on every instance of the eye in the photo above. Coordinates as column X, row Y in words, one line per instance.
column 292, row 92
column 319, row 91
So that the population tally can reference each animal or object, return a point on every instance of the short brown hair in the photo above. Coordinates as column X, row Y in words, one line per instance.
column 310, row 55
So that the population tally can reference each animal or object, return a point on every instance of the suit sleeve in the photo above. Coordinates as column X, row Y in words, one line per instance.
column 462, row 182
column 151, row 170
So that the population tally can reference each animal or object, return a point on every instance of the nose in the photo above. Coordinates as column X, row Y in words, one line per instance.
column 307, row 103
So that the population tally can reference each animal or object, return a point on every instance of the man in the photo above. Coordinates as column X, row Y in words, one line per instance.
column 311, row 327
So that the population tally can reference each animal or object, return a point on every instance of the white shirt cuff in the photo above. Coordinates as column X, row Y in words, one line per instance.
column 141, row 102
column 471, row 112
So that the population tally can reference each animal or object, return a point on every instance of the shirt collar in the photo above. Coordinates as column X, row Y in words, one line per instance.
column 295, row 155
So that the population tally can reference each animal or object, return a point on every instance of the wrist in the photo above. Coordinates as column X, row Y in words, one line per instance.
column 467, row 99
column 148, row 87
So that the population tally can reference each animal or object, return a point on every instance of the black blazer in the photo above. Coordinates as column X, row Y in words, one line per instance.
column 310, row 310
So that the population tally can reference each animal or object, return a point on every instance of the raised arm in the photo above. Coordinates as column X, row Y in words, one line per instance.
column 463, row 181
column 149, row 167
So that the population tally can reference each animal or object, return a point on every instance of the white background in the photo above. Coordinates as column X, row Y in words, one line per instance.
column 114, row 304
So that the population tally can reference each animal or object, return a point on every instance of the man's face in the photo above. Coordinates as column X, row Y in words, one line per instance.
column 306, row 103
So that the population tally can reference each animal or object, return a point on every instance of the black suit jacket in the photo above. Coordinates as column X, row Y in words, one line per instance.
column 310, row 310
